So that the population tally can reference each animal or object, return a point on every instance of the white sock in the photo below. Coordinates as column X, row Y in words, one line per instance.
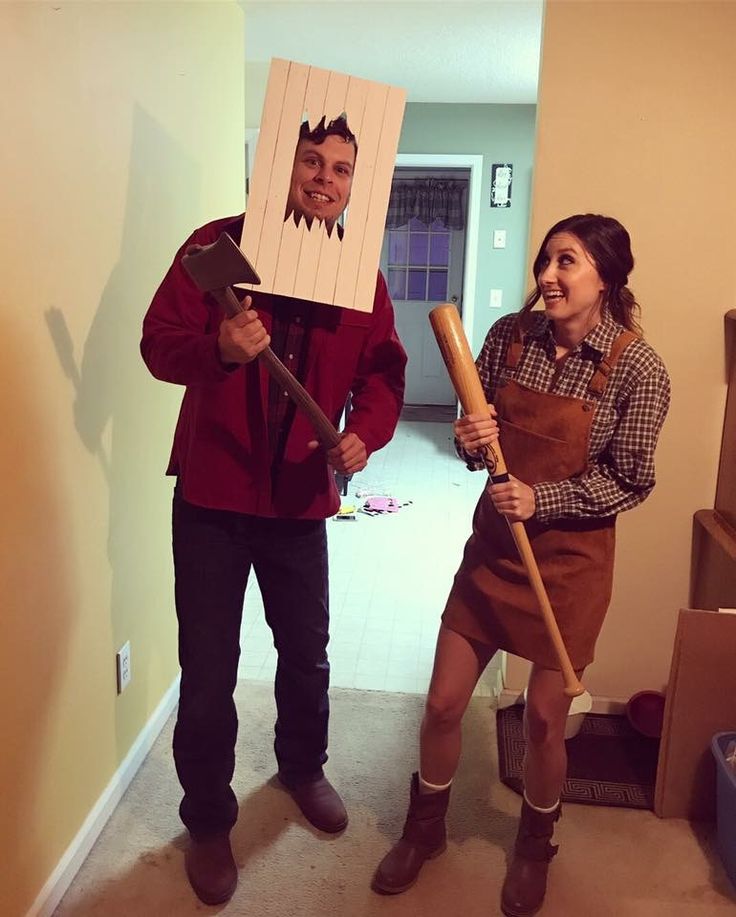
column 425, row 787
column 539, row 808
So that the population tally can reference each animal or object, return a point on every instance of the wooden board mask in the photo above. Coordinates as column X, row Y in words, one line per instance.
column 309, row 258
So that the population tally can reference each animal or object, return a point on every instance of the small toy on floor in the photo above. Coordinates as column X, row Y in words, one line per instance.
column 378, row 505
column 346, row 511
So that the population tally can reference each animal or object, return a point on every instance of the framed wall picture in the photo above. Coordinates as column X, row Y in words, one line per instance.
column 501, row 178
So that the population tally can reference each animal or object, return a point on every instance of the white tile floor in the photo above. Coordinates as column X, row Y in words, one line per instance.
column 389, row 574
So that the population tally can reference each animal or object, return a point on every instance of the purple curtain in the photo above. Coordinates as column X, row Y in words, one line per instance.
column 427, row 199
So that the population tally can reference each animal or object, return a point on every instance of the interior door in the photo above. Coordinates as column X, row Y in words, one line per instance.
column 423, row 266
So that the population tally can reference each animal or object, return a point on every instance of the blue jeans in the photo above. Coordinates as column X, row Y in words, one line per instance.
column 214, row 551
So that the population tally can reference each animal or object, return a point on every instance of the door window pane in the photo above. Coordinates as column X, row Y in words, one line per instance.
column 418, row 247
column 397, row 283
column 397, row 247
column 437, row 286
column 439, row 248
column 417, row 284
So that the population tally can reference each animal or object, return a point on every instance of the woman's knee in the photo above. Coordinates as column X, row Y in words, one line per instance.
column 443, row 711
column 544, row 725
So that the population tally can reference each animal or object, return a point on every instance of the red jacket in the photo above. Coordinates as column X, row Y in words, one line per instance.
column 221, row 449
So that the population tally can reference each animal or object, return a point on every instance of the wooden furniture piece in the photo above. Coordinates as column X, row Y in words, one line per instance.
column 701, row 701
column 701, row 693
column 713, row 569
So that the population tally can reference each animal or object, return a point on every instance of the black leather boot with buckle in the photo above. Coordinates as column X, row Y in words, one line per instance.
column 423, row 839
column 526, row 878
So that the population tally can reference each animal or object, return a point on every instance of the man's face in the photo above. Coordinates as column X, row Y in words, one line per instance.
column 321, row 179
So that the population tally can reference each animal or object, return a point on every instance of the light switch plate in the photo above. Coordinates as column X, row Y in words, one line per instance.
column 496, row 299
column 499, row 238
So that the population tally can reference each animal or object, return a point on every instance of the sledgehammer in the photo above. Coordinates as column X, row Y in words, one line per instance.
column 213, row 268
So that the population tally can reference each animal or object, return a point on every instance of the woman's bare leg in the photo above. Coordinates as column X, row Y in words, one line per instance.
column 458, row 664
column 545, row 717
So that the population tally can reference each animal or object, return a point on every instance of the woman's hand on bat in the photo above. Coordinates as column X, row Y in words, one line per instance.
column 473, row 431
column 513, row 499
column 348, row 456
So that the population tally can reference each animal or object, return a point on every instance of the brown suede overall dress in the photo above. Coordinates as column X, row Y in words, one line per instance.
column 544, row 437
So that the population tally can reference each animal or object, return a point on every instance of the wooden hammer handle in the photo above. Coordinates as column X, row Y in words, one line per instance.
column 326, row 432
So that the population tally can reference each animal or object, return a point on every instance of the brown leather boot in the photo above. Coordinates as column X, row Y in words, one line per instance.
column 526, row 878
column 423, row 839
column 211, row 868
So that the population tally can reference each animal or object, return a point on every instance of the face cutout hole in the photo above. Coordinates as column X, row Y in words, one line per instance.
column 322, row 173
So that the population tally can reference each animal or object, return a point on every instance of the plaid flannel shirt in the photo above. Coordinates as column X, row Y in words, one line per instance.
column 626, row 423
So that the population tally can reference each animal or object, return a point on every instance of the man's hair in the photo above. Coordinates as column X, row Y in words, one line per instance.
column 337, row 127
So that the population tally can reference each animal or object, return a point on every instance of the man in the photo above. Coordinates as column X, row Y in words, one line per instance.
column 253, row 490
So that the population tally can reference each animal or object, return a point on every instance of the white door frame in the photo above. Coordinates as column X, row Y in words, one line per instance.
column 470, row 270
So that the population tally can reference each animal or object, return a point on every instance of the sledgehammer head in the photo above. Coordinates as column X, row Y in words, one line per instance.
column 219, row 265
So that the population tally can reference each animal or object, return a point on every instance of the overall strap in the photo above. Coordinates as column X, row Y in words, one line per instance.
column 513, row 351
column 606, row 365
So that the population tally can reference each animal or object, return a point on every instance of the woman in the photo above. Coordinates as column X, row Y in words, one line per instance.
column 578, row 399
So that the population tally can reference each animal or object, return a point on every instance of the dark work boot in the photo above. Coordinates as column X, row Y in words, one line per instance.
column 526, row 878
column 211, row 868
column 424, row 838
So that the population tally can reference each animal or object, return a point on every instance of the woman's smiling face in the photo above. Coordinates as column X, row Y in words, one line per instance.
column 571, row 287
column 321, row 179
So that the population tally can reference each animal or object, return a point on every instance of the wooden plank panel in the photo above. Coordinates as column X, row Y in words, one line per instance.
column 263, row 164
column 273, row 219
column 306, row 264
column 354, row 107
column 310, row 264
column 376, row 219
column 292, row 239
column 328, row 259
column 372, row 121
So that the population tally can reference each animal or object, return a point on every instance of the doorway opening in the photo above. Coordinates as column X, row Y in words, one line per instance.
column 426, row 262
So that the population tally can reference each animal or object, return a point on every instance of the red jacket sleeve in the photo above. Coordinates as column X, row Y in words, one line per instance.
column 181, row 326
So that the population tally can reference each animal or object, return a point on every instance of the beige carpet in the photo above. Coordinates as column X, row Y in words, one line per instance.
column 617, row 862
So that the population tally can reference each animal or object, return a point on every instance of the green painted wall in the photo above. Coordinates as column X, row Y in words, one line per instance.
column 500, row 133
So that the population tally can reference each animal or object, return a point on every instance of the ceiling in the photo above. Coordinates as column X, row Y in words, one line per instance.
column 450, row 51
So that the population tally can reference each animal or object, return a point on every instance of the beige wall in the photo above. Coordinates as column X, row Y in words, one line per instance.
column 122, row 129
column 637, row 118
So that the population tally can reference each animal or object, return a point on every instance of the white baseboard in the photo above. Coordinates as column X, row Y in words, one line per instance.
column 601, row 704
column 66, row 869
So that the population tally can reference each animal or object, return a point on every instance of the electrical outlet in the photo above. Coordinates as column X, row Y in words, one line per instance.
column 122, row 660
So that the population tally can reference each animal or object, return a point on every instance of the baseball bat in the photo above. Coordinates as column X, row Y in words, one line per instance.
column 460, row 364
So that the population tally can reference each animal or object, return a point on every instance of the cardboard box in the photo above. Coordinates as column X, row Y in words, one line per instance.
column 701, row 701
column 713, row 566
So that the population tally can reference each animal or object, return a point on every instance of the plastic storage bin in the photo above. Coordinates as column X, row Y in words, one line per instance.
column 725, row 802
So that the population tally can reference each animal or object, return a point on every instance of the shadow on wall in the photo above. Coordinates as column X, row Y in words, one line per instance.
column 126, row 418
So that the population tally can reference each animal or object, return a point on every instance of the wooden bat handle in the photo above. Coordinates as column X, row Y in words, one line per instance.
column 453, row 344
column 322, row 424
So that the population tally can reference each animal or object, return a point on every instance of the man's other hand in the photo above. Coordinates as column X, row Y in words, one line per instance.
column 348, row 456
column 242, row 337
